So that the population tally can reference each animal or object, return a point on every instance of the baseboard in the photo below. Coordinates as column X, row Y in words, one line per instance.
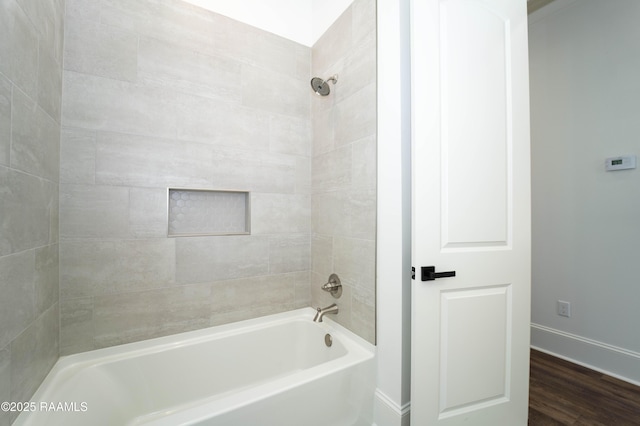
column 602, row 357
column 388, row 413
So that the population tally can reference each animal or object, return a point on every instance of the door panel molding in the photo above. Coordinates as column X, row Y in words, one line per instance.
column 474, row 373
column 475, row 105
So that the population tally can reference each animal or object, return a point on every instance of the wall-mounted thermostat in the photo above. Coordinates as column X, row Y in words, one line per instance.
column 620, row 163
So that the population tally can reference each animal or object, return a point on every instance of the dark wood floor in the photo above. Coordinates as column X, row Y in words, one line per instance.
column 562, row 393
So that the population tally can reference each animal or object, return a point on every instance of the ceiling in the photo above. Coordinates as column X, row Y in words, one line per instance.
column 303, row 21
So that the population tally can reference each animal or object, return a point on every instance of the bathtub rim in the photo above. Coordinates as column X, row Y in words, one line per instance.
column 158, row 344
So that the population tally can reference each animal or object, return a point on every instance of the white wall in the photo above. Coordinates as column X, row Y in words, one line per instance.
column 394, row 203
column 303, row 21
column 585, row 92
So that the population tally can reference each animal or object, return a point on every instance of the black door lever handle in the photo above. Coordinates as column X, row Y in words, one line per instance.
column 428, row 273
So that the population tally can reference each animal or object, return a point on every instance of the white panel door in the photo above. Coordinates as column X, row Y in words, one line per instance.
column 471, row 212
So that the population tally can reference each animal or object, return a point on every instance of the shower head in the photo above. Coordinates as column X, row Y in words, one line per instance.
column 321, row 87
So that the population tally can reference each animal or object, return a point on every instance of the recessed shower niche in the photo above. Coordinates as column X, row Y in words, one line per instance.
column 199, row 212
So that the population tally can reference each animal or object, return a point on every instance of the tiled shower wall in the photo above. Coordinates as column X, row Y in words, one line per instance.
column 31, row 34
column 158, row 94
column 344, row 167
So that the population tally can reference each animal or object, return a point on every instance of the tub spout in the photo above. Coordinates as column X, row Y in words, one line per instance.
column 332, row 309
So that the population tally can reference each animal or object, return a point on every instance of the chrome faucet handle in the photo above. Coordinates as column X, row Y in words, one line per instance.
column 333, row 286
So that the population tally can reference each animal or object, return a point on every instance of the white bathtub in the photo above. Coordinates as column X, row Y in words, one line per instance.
column 274, row 370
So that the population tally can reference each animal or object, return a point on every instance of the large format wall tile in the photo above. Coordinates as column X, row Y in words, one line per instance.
column 90, row 268
column 280, row 213
column 18, row 48
column 363, row 312
column 260, row 172
column 47, row 19
column 334, row 44
column 126, row 317
column 98, row 103
column 343, row 206
column 322, row 255
column 101, row 50
column 290, row 135
column 363, row 166
column 77, row 156
column 273, row 53
column 303, row 175
column 268, row 90
column 209, row 259
column 223, row 124
column 352, row 121
column 27, row 204
column 132, row 160
column 46, row 279
column 250, row 297
column 332, row 170
column 323, row 117
column 148, row 212
column 5, row 120
column 82, row 9
column 35, row 142
column 76, row 325
column 190, row 71
column 18, row 301
column 352, row 261
column 356, row 71
column 33, row 353
column 50, row 85
column 31, row 35
column 5, row 383
column 90, row 211
column 54, row 214
column 174, row 22
column 364, row 24
column 289, row 254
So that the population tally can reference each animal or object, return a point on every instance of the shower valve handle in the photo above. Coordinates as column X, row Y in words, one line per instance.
column 333, row 286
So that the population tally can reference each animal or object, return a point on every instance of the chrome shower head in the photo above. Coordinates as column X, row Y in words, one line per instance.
column 321, row 87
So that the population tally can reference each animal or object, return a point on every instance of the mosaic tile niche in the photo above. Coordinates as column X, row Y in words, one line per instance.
column 194, row 212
